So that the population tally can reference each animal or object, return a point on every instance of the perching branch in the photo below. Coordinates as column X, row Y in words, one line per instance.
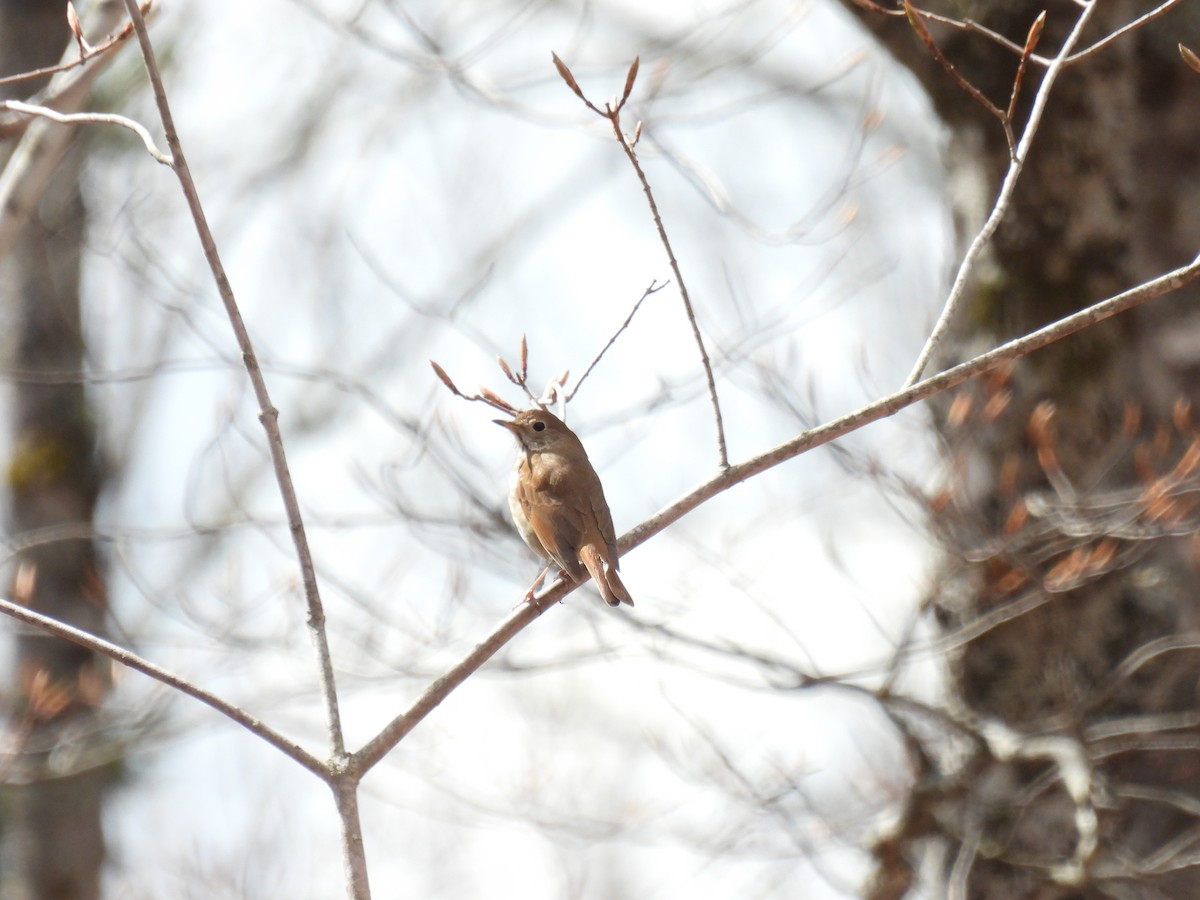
column 441, row 688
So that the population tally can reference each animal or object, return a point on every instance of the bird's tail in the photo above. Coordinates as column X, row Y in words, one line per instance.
column 612, row 589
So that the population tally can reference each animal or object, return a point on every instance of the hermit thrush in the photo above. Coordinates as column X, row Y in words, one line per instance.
column 558, row 505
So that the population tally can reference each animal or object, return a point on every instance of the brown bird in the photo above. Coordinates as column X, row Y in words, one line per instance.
column 558, row 505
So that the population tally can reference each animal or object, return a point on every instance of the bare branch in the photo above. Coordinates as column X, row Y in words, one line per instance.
column 133, row 661
column 612, row 112
column 269, row 417
column 890, row 405
column 1000, row 208
column 914, row 19
column 92, row 119
column 654, row 288
column 1137, row 23
column 379, row 746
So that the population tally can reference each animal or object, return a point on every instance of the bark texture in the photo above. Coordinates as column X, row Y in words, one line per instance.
column 1071, row 583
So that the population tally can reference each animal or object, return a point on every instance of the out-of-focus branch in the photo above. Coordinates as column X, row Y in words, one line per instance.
column 36, row 156
column 136, row 127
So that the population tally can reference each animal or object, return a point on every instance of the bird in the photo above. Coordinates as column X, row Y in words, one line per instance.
column 558, row 505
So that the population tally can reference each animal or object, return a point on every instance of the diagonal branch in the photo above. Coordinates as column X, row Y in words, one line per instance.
column 133, row 661
column 268, row 414
column 391, row 735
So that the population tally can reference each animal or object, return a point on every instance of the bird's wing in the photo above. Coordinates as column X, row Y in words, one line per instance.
column 605, row 523
column 558, row 527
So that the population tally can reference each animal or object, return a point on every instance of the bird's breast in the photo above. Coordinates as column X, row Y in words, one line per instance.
column 517, row 508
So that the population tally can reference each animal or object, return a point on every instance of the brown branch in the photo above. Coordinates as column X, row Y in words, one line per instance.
column 133, row 661
column 914, row 19
column 268, row 414
column 379, row 746
column 1031, row 41
column 612, row 112
column 352, row 843
column 654, row 288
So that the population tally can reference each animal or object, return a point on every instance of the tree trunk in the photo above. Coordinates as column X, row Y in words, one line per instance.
column 53, row 843
column 1070, row 534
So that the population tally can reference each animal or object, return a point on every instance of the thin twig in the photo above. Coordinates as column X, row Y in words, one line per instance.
column 391, row 735
column 1140, row 21
column 137, row 663
column 612, row 112
column 654, row 288
column 1000, row 208
column 722, row 450
column 352, row 845
column 914, row 19
column 1031, row 41
column 997, row 38
column 90, row 118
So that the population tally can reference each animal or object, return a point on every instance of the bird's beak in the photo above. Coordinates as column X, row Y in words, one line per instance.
column 505, row 423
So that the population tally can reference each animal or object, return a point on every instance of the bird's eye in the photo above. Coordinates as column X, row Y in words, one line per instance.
column 539, row 426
